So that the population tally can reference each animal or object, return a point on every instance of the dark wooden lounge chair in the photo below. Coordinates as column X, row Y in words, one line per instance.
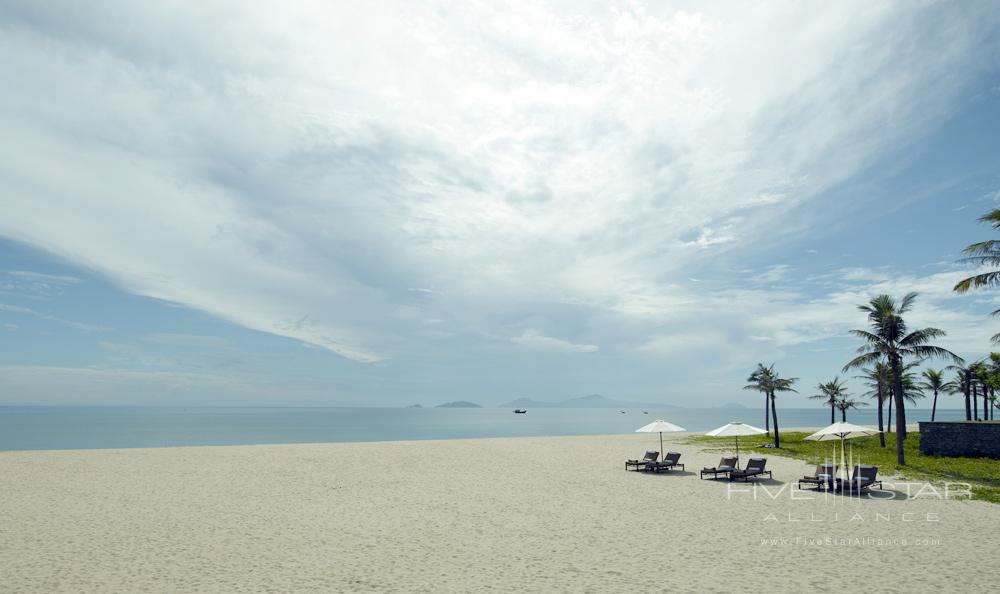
column 726, row 465
column 823, row 479
column 669, row 462
column 862, row 479
column 637, row 464
column 755, row 468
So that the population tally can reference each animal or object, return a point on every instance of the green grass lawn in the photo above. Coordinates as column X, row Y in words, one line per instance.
column 982, row 473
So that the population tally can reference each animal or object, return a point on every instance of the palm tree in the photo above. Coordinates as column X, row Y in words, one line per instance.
column 962, row 384
column 984, row 253
column 846, row 404
column 888, row 338
column 959, row 385
column 879, row 381
column 767, row 380
column 911, row 388
column 933, row 381
column 780, row 385
column 760, row 381
column 976, row 374
column 830, row 393
column 990, row 380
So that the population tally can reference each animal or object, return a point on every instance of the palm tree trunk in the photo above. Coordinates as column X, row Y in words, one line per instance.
column 934, row 407
column 889, row 422
column 986, row 391
column 975, row 403
column 897, row 378
column 833, row 413
column 881, row 435
column 774, row 416
column 965, row 390
column 843, row 415
column 767, row 425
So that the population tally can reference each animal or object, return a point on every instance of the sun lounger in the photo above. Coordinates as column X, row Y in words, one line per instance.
column 726, row 465
column 862, row 479
column 823, row 479
column 637, row 464
column 755, row 468
column 669, row 462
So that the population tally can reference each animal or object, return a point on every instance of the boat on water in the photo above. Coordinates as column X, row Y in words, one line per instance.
column 519, row 411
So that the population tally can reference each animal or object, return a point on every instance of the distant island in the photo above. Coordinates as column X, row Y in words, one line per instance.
column 591, row 401
column 415, row 406
column 459, row 404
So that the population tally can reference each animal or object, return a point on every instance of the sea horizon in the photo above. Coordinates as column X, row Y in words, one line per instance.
column 24, row 428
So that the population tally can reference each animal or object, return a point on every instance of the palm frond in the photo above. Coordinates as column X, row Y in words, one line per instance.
column 919, row 337
column 906, row 303
column 929, row 351
column 982, row 248
column 986, row 279
column 868, row 336
column 861, row 361
column 992, row 217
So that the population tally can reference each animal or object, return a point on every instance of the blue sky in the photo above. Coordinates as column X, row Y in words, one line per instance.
column 310, row 204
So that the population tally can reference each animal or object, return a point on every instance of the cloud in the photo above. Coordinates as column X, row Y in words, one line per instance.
column 39, row 277
column 750, row 324
column 187, row 340
column 300, row 169
column 50, row 318
column 533, row 339
column 772, row 274
column 55, row 385
column 38, row 285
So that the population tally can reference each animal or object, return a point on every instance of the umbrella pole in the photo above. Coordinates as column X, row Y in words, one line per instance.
column 737, row 451
column 843, row 469
column 661, row 445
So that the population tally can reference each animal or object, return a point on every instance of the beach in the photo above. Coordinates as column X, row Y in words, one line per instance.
column 508, row 514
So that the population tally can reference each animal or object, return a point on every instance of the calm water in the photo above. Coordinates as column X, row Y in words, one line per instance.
column 43, row 428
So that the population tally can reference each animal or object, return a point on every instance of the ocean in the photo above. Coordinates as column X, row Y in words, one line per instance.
column 50, row 428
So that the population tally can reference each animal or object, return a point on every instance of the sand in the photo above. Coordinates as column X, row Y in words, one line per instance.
column 518, row 514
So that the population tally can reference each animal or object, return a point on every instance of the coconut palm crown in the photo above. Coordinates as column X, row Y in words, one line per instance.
column 889, row 338
column 984, row 253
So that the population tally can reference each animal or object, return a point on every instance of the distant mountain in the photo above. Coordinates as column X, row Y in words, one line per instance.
column 731, row 405
column 458, row 404
column 591, row 401
column 415, row 406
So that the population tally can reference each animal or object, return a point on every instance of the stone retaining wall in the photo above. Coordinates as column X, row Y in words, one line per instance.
column 969, row 439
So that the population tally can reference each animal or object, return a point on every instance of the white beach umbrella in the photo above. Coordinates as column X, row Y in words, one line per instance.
column 842, row 431
column 735, row 429
column 661, row 427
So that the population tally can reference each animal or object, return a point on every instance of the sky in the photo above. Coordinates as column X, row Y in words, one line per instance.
column 388, row 203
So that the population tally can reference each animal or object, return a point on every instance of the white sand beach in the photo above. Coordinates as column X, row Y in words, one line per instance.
column 517, row 514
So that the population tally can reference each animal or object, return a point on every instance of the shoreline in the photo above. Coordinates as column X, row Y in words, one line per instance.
column 910, row 428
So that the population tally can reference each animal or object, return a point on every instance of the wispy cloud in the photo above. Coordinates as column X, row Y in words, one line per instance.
column 25, row 283
column 39, row 277
column 187, row 340
column 16, row 309
column 534, row 339
column 81, row 385
column 308, row 170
